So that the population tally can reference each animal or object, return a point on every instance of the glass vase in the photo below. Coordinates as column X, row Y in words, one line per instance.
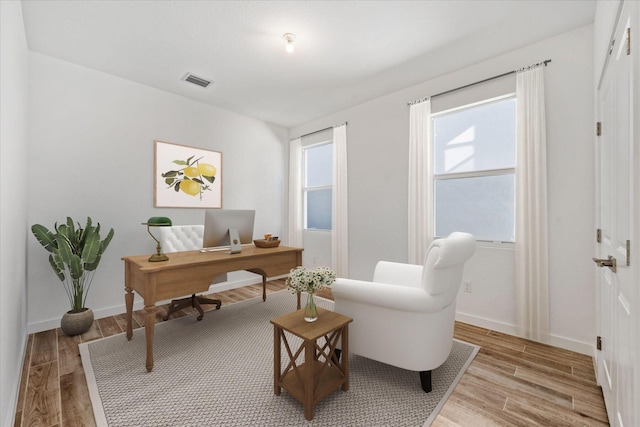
column 310, row 310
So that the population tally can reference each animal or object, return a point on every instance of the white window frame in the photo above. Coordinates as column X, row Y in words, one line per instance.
column 476, row 174
column 306, row 189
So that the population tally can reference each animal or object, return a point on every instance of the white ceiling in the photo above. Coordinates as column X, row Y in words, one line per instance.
column 347, row 52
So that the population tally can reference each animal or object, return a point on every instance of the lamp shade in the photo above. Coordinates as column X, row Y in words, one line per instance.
column 158, row 221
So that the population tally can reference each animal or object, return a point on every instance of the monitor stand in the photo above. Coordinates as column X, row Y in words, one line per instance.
column 234, row 240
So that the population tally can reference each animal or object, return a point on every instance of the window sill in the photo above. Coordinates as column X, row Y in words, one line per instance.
column 495, row 245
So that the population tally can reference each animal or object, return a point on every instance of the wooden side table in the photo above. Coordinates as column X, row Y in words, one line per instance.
column 322, row 370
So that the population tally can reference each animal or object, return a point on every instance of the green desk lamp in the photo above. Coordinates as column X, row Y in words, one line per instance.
column 157, row 221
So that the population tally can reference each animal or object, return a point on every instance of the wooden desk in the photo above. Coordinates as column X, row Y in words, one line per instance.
column 322, row 371
column 192, row 272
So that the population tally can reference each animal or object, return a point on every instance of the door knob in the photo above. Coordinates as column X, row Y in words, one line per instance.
column 606, row 262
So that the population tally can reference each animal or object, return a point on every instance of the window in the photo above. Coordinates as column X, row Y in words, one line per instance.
column 474, row 155
column 317, row 186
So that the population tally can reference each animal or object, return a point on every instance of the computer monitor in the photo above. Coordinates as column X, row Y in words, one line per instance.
column 228, row 227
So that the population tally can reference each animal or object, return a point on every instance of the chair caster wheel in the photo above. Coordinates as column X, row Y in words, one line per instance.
column 200, row 317
column 165, row 318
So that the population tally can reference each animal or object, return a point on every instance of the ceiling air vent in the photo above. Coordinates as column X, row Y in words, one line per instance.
column 196, row 80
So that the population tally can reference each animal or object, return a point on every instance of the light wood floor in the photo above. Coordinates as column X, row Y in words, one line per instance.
column 511, row 382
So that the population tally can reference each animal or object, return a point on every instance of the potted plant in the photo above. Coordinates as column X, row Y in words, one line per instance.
column 75, row 255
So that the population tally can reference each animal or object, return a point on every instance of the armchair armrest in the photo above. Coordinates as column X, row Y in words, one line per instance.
column 396, row 273
column 384, row 295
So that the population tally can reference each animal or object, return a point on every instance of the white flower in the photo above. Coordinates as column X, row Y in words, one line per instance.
column 302, row 279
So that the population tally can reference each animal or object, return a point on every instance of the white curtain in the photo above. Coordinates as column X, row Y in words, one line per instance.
column 295, row 193
column 532, row 271
column 340, row 211
column 420, row 171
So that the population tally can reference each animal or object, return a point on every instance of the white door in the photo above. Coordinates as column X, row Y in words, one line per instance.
column 616, row 298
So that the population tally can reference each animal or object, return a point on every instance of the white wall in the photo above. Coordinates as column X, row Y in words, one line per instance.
column 570, row 124
column 317, row 248
column 378, row 135
column 603, row 22
column 14, row 173
column 91, row 153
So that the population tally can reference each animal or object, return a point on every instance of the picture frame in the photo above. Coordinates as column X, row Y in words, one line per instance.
column 187, row 177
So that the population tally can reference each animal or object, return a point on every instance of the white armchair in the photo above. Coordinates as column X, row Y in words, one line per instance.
column 405, row 317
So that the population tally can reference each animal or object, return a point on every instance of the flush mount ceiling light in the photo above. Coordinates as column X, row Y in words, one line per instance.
column 289, row 37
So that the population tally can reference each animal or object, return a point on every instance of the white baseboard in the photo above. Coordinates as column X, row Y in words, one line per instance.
column 13, row 403
column 505, row 328
column 596, row 355
column 571, row 344
column 138, row 305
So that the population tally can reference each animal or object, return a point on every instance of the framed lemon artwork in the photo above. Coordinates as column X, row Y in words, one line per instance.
column 187, row 177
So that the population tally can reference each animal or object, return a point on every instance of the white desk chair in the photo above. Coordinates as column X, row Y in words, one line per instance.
column 178, row 238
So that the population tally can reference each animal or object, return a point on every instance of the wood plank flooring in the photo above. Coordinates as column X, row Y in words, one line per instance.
column 511, row 382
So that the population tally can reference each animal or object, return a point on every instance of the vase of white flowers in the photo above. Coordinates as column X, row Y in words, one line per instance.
column 303, row 279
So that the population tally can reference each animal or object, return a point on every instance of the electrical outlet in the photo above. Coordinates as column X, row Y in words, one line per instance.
column 467, row 286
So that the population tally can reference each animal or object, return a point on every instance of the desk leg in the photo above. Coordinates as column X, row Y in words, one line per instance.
column 149, row 326
column 345, row 357
column 264, row 281
column 128, row 302
column 276, row 361
column 309, row 380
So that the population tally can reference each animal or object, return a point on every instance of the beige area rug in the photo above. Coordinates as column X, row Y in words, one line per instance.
column 219, row 372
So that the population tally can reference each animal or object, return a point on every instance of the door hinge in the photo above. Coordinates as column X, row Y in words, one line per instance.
column 628, row 253
column 599, row 342
column 629, row 41
column 598, row 128
column 599, row 235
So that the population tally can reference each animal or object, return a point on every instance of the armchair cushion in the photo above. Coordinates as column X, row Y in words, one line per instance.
column 397, row 297
column 395, row 273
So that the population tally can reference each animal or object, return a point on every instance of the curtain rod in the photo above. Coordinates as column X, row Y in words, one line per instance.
column 322, row 130
column 417, row 101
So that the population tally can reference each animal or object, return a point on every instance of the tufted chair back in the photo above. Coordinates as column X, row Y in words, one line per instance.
column 178, row 238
